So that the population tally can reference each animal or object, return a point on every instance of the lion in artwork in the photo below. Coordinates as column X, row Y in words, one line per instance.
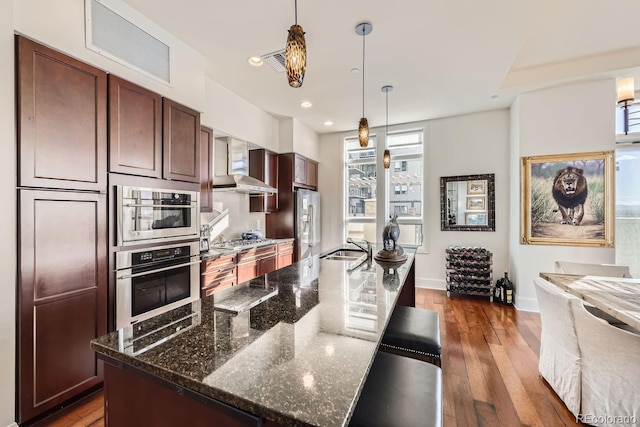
column 570, row 192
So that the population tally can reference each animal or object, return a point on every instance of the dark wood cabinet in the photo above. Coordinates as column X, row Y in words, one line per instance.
column 285, row 254
column 62, row 296
column 62, row 120
column 256, row 262
column 263, row 165
column 300, row 169
column 218, row 274
column 135, row 129
column 181, row 142
column 206, row 169
column 312, row 173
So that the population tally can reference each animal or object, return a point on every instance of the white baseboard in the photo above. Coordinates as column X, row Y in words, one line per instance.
column 527, row 304
column 423, row 282
column 13, row 425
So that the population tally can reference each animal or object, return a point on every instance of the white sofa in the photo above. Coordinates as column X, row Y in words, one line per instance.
column 559, row 361
column 610, row 389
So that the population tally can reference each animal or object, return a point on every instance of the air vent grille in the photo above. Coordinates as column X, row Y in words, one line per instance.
column 113, row 36
column 276, row 60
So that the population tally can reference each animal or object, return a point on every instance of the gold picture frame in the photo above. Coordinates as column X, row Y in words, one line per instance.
column 476, row 203
column 567, row 199
column 478, row 186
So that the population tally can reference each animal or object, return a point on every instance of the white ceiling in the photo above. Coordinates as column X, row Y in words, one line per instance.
column 442, row 57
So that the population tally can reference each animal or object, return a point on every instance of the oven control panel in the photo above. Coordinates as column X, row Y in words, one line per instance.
column 144, row 257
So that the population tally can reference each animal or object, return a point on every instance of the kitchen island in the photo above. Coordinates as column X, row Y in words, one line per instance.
column 292, row 347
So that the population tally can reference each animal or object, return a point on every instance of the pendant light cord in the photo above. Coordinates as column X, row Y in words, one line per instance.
column 387, row 127
column 363, row 37
column 296, row 9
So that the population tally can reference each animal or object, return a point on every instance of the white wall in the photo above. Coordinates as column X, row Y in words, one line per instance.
column 8, row 230
column 567, row 119
column 228, row 113
column 296, row 137
column 463, row 145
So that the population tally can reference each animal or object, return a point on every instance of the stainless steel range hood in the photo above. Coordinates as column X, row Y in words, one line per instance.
column 232, row 156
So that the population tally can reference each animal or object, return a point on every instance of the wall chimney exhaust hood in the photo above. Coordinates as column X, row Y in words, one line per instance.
column 232, row 156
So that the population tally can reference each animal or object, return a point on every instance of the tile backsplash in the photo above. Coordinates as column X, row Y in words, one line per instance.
column 240, row 219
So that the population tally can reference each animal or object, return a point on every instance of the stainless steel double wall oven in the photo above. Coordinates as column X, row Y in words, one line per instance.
column 157, row 264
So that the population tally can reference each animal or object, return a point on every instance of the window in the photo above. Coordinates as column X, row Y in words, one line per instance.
column 627, row 224
column 366, row 191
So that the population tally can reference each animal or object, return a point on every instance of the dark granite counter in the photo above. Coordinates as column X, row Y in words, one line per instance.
column 293, row 346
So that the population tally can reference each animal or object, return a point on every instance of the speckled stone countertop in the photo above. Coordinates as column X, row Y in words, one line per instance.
column 218, row 252
column 293, row 346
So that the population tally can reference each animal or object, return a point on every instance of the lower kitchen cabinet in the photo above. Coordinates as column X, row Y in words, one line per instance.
column 256, row 262
column 218, row 274
column 285, row 254
column 62, row 282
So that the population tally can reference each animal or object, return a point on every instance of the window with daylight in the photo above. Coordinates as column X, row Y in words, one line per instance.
column 399, row 190
column 627, row 201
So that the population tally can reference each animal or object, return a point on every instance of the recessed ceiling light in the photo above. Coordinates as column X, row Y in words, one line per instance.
column 305, row 104
column 494, row 96
column 328, row 123
column 354, row 71
column 256, row 61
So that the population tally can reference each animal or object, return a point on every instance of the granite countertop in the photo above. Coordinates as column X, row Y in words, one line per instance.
column 293, row 346
column 218, row 252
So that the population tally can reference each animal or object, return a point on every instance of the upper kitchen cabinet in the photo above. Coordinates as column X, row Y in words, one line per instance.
column 206, row 169
column 135, row 129
column 263, row 165
column 62, row 120
column 305, row 171
column 181, row 142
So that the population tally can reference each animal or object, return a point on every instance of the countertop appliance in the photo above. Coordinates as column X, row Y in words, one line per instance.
column 146, row 215
column 153, row 280
column 307, row 224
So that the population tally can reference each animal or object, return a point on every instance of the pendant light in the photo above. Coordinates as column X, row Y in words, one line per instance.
column 386, row 158
column 363, row 30
column 296, row 53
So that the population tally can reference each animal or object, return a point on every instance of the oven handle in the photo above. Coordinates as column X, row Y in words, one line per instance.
column 158, row 270
column 140, row 205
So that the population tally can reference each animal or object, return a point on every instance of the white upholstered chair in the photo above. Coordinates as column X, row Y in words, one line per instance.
column 585, row 269
column 559, row 352
column 610, row 371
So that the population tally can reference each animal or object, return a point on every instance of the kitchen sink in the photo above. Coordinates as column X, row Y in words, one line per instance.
column 345, row 255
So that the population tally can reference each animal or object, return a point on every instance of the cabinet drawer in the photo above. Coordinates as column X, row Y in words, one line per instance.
column 218, row 286
column 256, row 253
column 217, row 264
column 208, row 279
column 285, row 247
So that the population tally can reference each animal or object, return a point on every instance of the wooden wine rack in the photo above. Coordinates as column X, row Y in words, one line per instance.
column 469, row 271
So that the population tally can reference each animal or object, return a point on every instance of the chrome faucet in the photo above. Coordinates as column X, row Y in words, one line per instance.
column 367, row 249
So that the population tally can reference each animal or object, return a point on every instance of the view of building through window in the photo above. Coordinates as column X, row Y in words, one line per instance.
column 403, row 180
column 627, row 227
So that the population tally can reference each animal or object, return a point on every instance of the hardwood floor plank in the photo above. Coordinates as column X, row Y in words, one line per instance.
column 486, row 414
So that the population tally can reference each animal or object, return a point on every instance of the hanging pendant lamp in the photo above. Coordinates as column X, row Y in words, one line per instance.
column 386, row 158
column 363, row 30
column 296, row 53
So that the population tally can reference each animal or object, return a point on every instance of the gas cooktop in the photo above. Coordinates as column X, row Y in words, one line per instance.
column 242, row 243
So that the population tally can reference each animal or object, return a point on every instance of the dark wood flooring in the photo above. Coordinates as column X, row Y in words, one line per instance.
column 489, row 364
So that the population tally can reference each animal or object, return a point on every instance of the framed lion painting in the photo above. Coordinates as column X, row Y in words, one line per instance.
column 567, row 199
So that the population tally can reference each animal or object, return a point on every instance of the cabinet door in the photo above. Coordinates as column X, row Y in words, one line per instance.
column 267, row 265
column 247, row 271
column 61, row 296
column 300, row 169
column 271, row 178
column 135, row 129
column 62, row 120
column 312, row 173
column 206, row 169
column 181, row 142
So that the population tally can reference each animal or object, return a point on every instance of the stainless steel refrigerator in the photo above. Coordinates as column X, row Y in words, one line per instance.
column 307, row 224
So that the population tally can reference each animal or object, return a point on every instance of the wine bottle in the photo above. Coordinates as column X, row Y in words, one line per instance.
column 508, row 286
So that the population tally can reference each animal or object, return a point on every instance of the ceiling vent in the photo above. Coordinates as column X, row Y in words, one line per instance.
column 276, row 60
column 119, row 39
